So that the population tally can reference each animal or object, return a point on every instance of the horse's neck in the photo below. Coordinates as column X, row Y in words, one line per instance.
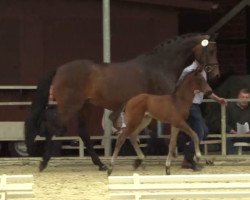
column 170, row 58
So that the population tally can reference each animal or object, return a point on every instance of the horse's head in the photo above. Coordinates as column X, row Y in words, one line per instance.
column 205, row 52
column 198, row 83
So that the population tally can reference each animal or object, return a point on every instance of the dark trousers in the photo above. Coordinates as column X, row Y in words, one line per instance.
column 197, row 123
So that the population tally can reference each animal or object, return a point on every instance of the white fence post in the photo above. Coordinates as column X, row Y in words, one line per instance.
column 106, row 59
column 223, row 131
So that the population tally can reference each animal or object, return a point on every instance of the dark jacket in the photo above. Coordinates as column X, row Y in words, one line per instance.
column 236, row 114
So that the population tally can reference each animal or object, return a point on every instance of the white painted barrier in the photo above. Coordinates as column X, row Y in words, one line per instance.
column 180, row 186
column 16, row 186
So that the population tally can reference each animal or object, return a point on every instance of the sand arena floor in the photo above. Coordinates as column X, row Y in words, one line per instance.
column 80, row 180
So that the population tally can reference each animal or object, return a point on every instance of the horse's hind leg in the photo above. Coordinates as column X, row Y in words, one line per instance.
column 48, row 151
column 171, row 147
column 89, row 146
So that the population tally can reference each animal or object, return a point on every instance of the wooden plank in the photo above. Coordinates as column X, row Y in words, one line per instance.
column 19, row 178
column 198, row 194
column 16, row 187
column 210, row 142
column 20, row 194
column 18, row 87
column 2, row 195
column 241, row 144
column 181, row 178
column 191, row 4
column 180, row 186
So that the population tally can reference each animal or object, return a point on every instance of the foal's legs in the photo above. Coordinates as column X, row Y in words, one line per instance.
column 186, row 128
column 132, row 132
column 171, row 147
column 133, row 139
column 119, row 142
column 172, row 144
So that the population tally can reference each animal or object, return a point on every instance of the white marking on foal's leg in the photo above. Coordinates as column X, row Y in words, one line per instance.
column 135, row 144
column 123, row 120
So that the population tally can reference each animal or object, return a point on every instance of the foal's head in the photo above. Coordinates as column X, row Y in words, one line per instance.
column 196, row 82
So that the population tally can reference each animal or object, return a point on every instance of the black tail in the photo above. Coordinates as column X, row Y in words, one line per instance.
column 39, row 103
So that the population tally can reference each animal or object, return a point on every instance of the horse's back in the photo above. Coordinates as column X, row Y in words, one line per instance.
column 72, row 76
column 75, row 67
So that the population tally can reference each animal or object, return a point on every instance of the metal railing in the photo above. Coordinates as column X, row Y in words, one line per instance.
column 224, row 133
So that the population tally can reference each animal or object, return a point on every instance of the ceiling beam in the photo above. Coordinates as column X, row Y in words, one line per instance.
column 230, row 15
column 188, row 4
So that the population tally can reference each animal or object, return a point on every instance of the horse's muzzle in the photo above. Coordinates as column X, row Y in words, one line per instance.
column 210, row 67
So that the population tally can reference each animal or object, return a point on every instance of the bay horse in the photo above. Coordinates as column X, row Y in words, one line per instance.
column 82, row 82
column 173, row 109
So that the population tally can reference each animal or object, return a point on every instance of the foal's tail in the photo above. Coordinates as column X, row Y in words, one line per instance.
column 38, row 106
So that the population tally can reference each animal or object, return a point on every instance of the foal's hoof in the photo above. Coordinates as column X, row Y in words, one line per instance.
column 167, row 170
column 175, row 155
column 103, row 167
column 42, row 166
column 210, row 162
column 197, row 167
column 109, row 171
column 137, row 163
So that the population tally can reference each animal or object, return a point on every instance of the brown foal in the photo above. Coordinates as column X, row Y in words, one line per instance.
column 173, row 109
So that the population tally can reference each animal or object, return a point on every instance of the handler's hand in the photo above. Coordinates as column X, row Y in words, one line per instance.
column 222, row 101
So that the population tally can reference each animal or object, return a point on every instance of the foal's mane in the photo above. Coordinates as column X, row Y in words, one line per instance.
column 181, row 81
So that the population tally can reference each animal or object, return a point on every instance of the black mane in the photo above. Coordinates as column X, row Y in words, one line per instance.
column 169, row 43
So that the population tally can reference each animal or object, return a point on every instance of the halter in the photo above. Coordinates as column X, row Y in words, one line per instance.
column 208, row 67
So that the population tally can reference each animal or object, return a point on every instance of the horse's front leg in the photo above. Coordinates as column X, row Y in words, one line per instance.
column 89, row 147
column 171, row 147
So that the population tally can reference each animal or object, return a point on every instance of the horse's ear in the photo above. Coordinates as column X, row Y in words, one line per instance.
column 213, row 37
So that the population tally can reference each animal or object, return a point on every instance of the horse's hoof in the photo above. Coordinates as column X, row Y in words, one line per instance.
column 167, row 170
column 42, row 166
column 137, row 163
column 103, row 168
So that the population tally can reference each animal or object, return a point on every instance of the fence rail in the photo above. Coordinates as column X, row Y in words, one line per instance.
column 223, row 135
column 179, row 186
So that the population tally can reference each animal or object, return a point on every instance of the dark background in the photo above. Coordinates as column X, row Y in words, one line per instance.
column 37, row 36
